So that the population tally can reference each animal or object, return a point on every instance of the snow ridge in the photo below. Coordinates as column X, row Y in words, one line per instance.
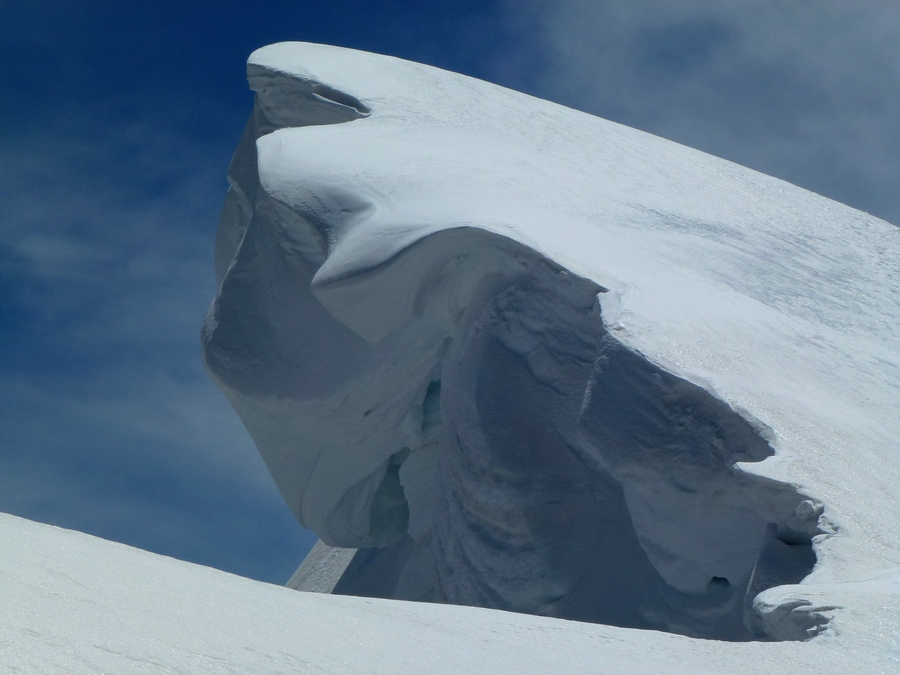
column 488, row 416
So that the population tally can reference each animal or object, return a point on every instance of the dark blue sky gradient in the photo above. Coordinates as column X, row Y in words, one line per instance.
column 117, row 124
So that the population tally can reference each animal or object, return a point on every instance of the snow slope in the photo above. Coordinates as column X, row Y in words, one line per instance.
column 533, row 360
column 76, row 605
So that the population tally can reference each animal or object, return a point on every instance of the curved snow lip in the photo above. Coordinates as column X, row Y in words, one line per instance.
column 286, row 100
column 430, row 305
column 685, row 540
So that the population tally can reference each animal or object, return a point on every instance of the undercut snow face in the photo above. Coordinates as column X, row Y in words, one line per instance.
column 578, row 480
column 525, row 359
column 530, row 462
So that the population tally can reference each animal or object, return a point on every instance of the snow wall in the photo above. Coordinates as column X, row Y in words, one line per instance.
column 439, row 357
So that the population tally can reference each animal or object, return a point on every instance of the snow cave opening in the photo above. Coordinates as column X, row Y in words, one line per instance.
column 571, row 477
column 556, row 472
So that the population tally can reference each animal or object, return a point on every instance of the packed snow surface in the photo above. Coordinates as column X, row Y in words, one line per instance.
column 73, row 604
column 529, row 359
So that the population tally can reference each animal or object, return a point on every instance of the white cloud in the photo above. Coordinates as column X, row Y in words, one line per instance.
column 807, row 91
column 108, row 422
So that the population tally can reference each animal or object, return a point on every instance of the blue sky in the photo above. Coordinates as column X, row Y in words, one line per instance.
column 117, row 123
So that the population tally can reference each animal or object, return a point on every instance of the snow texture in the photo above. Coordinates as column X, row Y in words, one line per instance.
column 73, row 604
column 528, row 359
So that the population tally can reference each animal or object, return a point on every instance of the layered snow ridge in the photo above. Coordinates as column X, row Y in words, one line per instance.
column 510, row 355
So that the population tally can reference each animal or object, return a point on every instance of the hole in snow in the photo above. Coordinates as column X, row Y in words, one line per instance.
column 576, row 479
column 554, row 471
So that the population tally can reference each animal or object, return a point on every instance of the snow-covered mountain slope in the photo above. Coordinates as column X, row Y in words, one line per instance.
column 534, row 360
column 76, row 605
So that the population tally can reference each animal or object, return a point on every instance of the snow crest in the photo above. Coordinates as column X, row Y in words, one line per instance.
column 441, row 360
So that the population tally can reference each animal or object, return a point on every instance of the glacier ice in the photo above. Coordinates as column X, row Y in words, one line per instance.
column 519, row 357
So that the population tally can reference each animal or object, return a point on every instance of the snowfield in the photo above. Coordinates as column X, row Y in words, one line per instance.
column 636, row 406
column 73, row 604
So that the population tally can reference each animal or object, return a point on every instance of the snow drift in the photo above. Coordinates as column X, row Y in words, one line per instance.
column 524, row 358
column 78, row 605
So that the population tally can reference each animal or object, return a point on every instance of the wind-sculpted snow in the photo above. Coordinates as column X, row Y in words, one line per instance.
column 527, row 359
column 79, row 605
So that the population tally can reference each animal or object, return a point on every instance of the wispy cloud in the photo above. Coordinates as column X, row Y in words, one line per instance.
column 809, row 92
column 108, row 423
